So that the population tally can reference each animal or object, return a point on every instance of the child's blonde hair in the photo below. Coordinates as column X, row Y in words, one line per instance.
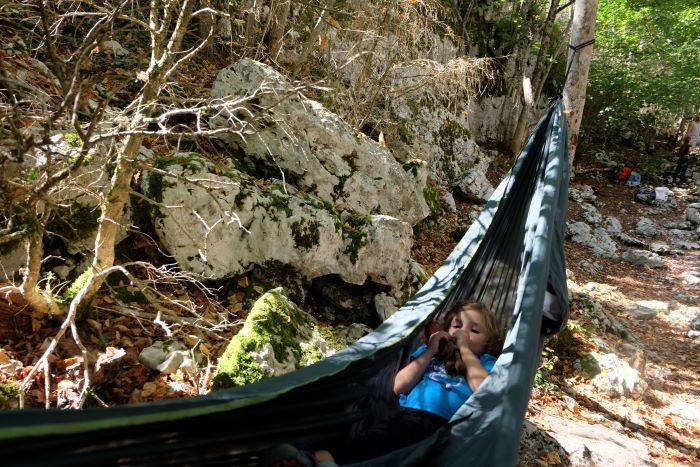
column 492, row 325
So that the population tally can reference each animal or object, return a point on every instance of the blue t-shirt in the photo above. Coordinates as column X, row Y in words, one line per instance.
column 438, row 392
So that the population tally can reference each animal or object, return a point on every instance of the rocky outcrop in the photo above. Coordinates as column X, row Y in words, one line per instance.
column 218, row 226
column 313, row 149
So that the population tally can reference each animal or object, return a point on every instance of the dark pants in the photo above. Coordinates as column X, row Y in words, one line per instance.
column 402, row 429
column 681, row 168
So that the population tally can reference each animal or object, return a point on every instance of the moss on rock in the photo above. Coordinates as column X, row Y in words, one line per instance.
column 306, row 234
column 275, row 322
column 356, row 233
column 432, row 199
column 76, row 222
column 9, row 394
column 75, row 287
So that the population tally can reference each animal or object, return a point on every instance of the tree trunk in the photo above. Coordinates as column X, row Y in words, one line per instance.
column 579, row 61
column 278, row 18
column 40, row 302
column 539, row 75
column 515, row 70
column 166, row 43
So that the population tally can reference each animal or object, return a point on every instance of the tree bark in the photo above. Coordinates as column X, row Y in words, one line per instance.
column 579, row 61
column 166, row 43
column 539, row 74
column 278, row 18
column 515, row 70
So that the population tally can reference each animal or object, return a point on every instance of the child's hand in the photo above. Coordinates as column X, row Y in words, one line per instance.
column 462, row 338
column 434, row 341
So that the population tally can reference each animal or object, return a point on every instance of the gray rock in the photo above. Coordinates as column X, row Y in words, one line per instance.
column 597, row 445
column 475, row 186
column 660, row 248
column 582, row 193
column 590, row 266
column 630, row 240
column 316, row 150
column 591, row 215
column 642, row 312
column 646, row 228
column 677, row 225
column 385, row 306
column 612, row 225
column 642, row 257
column 692, row 213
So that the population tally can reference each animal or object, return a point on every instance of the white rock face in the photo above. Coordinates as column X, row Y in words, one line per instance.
column 485, row 118
column 618, row 378
column 597, row 445
column 225, row 225
column 438, row 135
column 316, row 150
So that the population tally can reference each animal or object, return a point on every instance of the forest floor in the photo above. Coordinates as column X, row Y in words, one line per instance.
column 667, row 418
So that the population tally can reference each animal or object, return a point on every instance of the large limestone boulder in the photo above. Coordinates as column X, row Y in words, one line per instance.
column 218, row 226
column 277, row 338
column 435, row 133
column 314, row 149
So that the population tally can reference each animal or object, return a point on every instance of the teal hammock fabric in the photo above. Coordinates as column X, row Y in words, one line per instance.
column 511, row 258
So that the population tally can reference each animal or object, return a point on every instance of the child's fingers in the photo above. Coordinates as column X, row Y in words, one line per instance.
column 436, row 337
column 462, row 337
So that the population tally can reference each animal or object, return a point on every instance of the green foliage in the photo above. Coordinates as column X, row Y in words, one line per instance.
column 9, row 394
column 74, row 288
column 542, row 377
column 645, row 62
column 566, row 344
column 432, row 198
column 73, row 140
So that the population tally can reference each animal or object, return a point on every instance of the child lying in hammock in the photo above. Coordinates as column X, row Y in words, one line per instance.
column 460, row 352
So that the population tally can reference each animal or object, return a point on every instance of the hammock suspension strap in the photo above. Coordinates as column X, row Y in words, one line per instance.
column 575, row 48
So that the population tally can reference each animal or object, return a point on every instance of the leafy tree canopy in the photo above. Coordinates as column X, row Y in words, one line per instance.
column 647, row 58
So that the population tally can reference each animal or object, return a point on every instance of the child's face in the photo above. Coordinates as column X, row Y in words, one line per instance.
column 472, row 321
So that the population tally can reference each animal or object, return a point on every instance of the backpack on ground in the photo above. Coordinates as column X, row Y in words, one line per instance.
column 634, row 179
column 623, row 174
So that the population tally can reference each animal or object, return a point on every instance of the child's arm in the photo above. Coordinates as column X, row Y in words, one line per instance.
column 476, row 373
column 409, row 375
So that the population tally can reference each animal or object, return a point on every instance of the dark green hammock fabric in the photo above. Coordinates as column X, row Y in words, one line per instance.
column 511, row 258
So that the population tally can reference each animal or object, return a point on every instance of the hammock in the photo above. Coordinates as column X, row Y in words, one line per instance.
column 511, row 258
